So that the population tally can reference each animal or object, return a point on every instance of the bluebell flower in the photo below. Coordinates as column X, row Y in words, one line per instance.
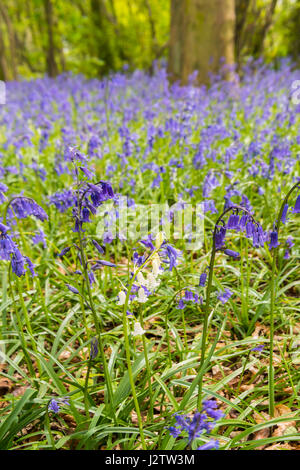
column 103, row 262
column 210, row 407
column 258, row 348
column 3, row 189
column 17, row 263
column 94, row 348
column 233, row 222
column 172, row 255
column 261, row 191
column 91, row 277
column 211, row 445
column 93, row 144
column 63, row 252
column 156, row 181
column 243, row 221
column 175, row 432
column 89, row 174
column 85, row 215
column 39, row 237
column 72, row 289
column 55, row 404
column 138, row 260
column 148, row 242
column 296, row 209
column 24, row 207
column 231, row 253
column 224, row 296
column 30, row 266
column 197, row 424
column 250, row 228
column 100, row 193
column 7, row 246
column 202, row 279
column 107, row 237
column 3, row 229
column 181, row 304
column 284, row 213
column 63, row 200
column 98, row 247
column 188, row 295
column 273, row 239
column 220, row 238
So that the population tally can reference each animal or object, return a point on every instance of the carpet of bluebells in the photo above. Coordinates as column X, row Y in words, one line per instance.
column 142, row 340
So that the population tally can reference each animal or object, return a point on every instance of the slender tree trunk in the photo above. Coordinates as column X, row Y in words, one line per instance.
column 260, row 36
column 201, row 36
column 241, row 10
column 153, row 33
column 11, row 38
column 4, row 72
column 103, row 23
column 51, row 62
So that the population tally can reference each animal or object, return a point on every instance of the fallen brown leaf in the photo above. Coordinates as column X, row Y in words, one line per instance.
column 5, row 386
column 288, row 426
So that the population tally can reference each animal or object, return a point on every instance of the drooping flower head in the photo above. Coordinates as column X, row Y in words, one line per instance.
column 24, row 207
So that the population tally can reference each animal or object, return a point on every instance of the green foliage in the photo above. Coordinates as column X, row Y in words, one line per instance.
column 92, row 37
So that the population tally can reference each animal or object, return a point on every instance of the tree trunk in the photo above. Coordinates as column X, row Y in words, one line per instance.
column 51, row 62
column 11, row 38
column 261, row 34
column 201, row 36
column 103, row 32
column 4, row 73
column 241, row 10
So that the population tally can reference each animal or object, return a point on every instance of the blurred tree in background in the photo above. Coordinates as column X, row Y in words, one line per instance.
column 95, row 37
column 201, row 36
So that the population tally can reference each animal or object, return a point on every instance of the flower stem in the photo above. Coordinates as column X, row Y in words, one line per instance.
column 235, row 207
column 94, row 313
column 147, row 369
column 272, row 305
